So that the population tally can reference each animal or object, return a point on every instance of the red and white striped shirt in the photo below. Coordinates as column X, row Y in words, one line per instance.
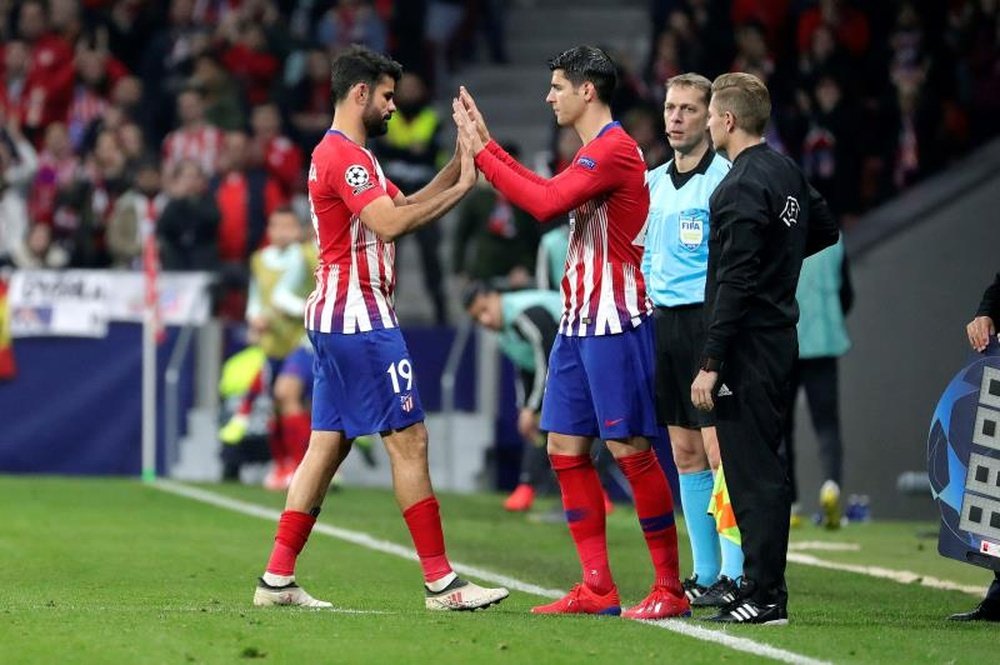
column 605, row 192
column 356, row 275
column 202, row 145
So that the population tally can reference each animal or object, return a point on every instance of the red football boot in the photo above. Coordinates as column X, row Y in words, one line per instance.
column 521, row 499
column 581, row 600
column 661, row 603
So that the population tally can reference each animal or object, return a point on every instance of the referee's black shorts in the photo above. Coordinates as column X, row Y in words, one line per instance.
column 680, row 335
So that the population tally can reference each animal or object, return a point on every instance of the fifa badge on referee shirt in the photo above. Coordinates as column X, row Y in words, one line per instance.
column 691, row 227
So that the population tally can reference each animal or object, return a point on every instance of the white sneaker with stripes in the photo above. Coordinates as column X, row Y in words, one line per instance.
column 463, row 595
column 747, row 611
column 291, row 594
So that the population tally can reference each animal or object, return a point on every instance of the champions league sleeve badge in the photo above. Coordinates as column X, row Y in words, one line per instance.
column 963, row 459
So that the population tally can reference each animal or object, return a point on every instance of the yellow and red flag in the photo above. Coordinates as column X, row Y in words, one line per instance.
column 722, row 509
column 7, row 367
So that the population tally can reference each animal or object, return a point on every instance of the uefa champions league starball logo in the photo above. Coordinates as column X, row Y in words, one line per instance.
column 963, row 459
column 356, row 175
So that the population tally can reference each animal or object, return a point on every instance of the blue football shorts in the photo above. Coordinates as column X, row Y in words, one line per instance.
column 299, row 363
column 602, row 386
column 364, row 383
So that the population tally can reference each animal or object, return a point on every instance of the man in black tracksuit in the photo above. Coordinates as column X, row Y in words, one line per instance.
column 982, row 330
column 765, row 218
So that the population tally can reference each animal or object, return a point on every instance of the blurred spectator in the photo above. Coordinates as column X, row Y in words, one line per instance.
column 494, row 241
column 974, row 34
column 824, row 56
column 126, row 94
column 771, row 15
column 849, row 25
column 351, row 22
column 645, row 126
column 135, row 214
column 409, row 153
column 441, row 28
column 824, row 296
column 312, row 101
column 666, row 62
column 269, row 148
column 18, row 163
column 105, row 170
column 132, row 143
column 41, row 252
column 221, row 94
column 752, row 51
column 76, row 230
column 16, row 59
column 167, row 62
column 195, row 139
column 48, row 88
column 96, row 74
column 247, row 58
column 58, row 166
column 64, row 17
column 829, row 157
column 245, row 197
column 492, row 18
column 188, row 229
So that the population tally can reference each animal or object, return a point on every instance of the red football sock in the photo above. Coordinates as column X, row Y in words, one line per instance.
column 295, row 431
column 654, row 505
column 583, row 502
column 293, row 531
column 255, row 389
column 424, row 522
column 276, row 442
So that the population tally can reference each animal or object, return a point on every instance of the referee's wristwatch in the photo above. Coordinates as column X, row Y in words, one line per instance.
column 710, row 364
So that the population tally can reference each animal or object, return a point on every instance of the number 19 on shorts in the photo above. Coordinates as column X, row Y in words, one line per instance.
column 401, row 370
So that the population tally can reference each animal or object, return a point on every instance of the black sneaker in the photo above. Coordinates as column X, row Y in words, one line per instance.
column 724, row 591
column 748, row 611
column 692, row 589
column 984, row 611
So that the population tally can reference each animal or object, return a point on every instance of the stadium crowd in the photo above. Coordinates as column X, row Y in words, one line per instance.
column 117, row 113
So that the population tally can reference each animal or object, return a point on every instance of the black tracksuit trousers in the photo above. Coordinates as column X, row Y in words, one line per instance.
column 750, row 424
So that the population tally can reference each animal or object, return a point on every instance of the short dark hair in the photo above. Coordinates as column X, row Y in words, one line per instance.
column 358, row 64
column 588, row 63
column 285, row 209
column 473, row 290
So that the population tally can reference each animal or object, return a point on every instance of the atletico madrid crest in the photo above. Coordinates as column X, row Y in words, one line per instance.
column 406, row 402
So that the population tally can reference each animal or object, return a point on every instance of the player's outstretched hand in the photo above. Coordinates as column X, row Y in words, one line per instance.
column 701, row 390
column 470, row 105
column 467, row 132
column 980, row 329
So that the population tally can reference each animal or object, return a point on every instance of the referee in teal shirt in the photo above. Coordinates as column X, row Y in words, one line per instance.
column 674, row 266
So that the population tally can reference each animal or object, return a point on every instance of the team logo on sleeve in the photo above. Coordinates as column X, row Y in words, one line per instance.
column 790, row 215
column 357, row 177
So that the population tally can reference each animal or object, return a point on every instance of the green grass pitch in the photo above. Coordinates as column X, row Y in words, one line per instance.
column 113, row 571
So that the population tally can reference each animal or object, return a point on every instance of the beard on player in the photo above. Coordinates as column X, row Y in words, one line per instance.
column 376, row 123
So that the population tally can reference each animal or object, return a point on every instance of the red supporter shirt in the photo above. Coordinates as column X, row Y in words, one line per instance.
column 605, row 192
column 356, row 275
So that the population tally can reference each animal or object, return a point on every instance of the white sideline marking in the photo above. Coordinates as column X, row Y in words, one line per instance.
column 901, row 576
column 364, row 540
column 823, row 545
column 210, row 609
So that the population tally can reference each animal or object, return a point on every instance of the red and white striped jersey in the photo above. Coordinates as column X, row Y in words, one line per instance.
column 605, row 192
column 356, row 275
column 202, row 145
